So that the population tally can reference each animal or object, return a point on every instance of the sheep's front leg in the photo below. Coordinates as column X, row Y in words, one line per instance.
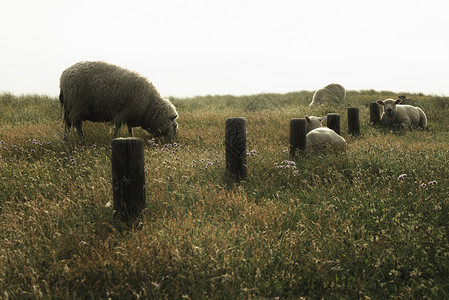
column 130, row 131
column 117, row 129
column 79, row 129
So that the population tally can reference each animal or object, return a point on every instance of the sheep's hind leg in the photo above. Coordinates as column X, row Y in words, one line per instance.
column 67, row 127
column 130, row 131
column 406, row 125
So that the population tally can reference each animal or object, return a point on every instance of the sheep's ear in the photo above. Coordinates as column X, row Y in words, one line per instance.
column 173, row 117
column 380, row 102
column 307, row 118
column 322, row 119
column 399, row 101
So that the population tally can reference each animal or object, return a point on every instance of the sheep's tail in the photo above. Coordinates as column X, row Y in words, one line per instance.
column 61, row 99
column 64, row 113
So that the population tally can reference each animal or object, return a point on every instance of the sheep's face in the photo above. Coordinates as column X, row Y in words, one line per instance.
column 172, row 129
column 166, row 124
column 168, row 130
column 389, row 106
column 314, row 122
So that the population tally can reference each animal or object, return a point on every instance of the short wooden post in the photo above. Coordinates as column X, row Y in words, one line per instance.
column 128, row 178
column 298, row 132
column 374, row 113
column 353, row 121
column 235, row 141
column 333, row 122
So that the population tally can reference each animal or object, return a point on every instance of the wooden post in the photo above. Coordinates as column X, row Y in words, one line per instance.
column 374, row 113
column 128, row 178
column 353, row 121
column 333, row 122
column 235, row 141
column 298, row 132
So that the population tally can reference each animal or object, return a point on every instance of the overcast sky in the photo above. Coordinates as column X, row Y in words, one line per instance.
column 199, row 47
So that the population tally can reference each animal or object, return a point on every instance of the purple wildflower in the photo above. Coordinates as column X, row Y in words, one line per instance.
column 433, row 182
column 252, row 153
column 423, row 185
column 401, row 177
column 290, row 163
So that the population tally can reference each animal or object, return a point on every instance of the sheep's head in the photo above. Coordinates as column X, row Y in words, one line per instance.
column 314, row 122
column 166, row 125
column 168, row 130
column 389, row 105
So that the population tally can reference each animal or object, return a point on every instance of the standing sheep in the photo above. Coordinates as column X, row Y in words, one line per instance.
column 101, row 92
column 332, row 93
column 406, row 116
column 318, row 136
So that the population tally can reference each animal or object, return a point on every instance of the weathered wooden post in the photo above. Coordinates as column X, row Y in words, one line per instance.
column 298, row 132
column 374, row 113
column 353, row 121
column 333, row 122
column 235, row 141
column 128, row 178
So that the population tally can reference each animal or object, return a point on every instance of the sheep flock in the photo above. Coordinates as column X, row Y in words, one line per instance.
column 100, row 92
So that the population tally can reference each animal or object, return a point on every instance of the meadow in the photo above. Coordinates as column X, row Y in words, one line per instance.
column 370, row 221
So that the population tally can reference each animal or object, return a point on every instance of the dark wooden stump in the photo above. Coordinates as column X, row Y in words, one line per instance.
column 128, row 179
column 235, row 141
column 353, row 121
column 298, row 132
column 374, row 113
column 333, row 122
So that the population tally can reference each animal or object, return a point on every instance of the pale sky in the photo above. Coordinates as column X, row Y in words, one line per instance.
column 199, row 47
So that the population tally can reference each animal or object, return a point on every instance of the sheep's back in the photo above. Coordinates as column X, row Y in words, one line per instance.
column 332, row 93
column 411, row 112
column 99, row 92
column 323, row 136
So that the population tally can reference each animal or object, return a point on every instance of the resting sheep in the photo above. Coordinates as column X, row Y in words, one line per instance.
column 333, row 93
column 318, row 136
column 101, row 92
column 406, row 116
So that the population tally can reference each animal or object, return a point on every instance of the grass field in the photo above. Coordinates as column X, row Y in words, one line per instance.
column 341, row 224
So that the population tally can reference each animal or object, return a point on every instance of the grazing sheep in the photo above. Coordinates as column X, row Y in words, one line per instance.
column 406, row 116
column 318, row 136
column 333, row 93
column 101, row 92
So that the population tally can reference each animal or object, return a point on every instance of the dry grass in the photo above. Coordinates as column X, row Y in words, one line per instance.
column 334, row 225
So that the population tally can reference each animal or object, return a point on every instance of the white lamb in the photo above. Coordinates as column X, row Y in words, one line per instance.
column 319, row 136
column 406, row 116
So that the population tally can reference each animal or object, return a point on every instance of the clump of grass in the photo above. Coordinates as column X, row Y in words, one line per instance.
column 369, row 221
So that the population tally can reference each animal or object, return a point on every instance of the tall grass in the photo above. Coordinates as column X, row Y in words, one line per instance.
column 329, row 224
